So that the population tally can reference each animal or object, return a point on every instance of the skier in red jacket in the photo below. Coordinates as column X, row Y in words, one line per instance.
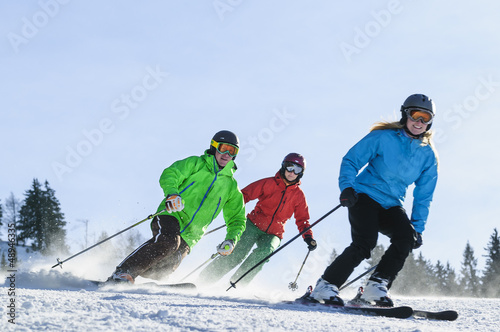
column 279, row 198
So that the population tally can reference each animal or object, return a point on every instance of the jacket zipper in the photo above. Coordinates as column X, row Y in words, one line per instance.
column 216, row 209
column 203, row 200
column 274, row 214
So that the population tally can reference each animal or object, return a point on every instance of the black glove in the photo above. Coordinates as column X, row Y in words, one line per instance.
column 417, row 237
column 311, row 243
column 348, row 197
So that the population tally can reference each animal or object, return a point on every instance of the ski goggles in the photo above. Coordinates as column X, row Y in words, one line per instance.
column 225, row 148
column 418, row 114
column 291, row 167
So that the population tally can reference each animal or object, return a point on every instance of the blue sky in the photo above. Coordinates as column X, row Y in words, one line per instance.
column 98, row 98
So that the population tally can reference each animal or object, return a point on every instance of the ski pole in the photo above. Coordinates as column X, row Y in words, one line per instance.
column 293, row 285
column 215, row 229
column 359, row 277
column 151, row 216
column 199, row 267
column 233, row 284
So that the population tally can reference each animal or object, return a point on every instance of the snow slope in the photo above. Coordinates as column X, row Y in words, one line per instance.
column 59, row 301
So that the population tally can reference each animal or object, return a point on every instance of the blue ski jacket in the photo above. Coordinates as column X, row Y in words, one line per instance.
column 395, row 161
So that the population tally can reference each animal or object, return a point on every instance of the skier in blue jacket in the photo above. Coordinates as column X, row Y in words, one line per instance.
column 396, row 155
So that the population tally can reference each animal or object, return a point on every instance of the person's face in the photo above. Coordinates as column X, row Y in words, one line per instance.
column 222, row 158
column 290, row 176
column 415, row 127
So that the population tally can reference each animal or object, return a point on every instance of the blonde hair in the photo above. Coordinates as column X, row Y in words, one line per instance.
column 426, row 137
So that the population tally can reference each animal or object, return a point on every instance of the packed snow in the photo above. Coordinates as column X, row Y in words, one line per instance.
column 52, row 299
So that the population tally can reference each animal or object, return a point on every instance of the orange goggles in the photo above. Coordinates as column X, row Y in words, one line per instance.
column 225, row 148
column 419, row 114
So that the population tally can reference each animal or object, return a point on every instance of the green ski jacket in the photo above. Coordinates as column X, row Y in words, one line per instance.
column 206, row 191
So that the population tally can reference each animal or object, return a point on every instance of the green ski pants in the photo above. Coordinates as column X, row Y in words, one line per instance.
column 265, row 245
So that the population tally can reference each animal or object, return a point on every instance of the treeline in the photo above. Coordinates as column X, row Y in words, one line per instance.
column 420, row 277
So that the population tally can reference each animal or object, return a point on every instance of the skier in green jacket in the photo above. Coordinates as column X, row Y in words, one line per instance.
column 196, row 190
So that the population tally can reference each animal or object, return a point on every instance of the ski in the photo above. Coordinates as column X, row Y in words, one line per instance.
column 392, row 312
column 438, row 315
column 355, row 306
column 178, row 286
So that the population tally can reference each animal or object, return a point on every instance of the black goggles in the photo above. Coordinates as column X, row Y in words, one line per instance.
column 291, row 167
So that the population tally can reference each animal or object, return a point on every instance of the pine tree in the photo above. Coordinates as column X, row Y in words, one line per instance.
column 333, row 256
column 469, row 283
column 491, row 275
column 1, row 214
column 440, row 277
column 405, row 283
column 425, row 278
column 55, row 234
column 41, row 220
column 31, row 216
column 12, row 206
column 451, row 284
column 3, row 262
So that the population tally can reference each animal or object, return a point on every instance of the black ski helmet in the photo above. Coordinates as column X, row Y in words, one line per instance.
column 224, row 136
column 295, row 158
column 419, row 101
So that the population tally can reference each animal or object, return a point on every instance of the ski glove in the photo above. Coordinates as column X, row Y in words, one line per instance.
column 174, row 203
column 348, row 197
column 225, row 248
column 311, row 243
column 418, row 240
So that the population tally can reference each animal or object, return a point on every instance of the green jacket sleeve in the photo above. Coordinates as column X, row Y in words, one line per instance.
column 175, row 175
column 234, row 215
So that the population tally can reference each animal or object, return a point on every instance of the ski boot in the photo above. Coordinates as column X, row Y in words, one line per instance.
column 375, row 293
column 327, row 293
column 121, row 277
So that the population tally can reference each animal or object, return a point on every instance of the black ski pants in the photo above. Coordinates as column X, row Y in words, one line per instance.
column 159, row 256
column 367, row 219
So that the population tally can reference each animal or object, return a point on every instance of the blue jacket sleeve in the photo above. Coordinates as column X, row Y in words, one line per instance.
column 357, row 157
column 422, row 196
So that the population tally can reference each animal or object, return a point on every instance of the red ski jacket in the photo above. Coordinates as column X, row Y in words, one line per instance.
column 276, row 204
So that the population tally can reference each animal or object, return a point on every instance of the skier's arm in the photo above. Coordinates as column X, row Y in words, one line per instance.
column 253, row 191
column 234, row 215
column 301, row 214
column 422, row 197
column 357, row 157
column 173, row 176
